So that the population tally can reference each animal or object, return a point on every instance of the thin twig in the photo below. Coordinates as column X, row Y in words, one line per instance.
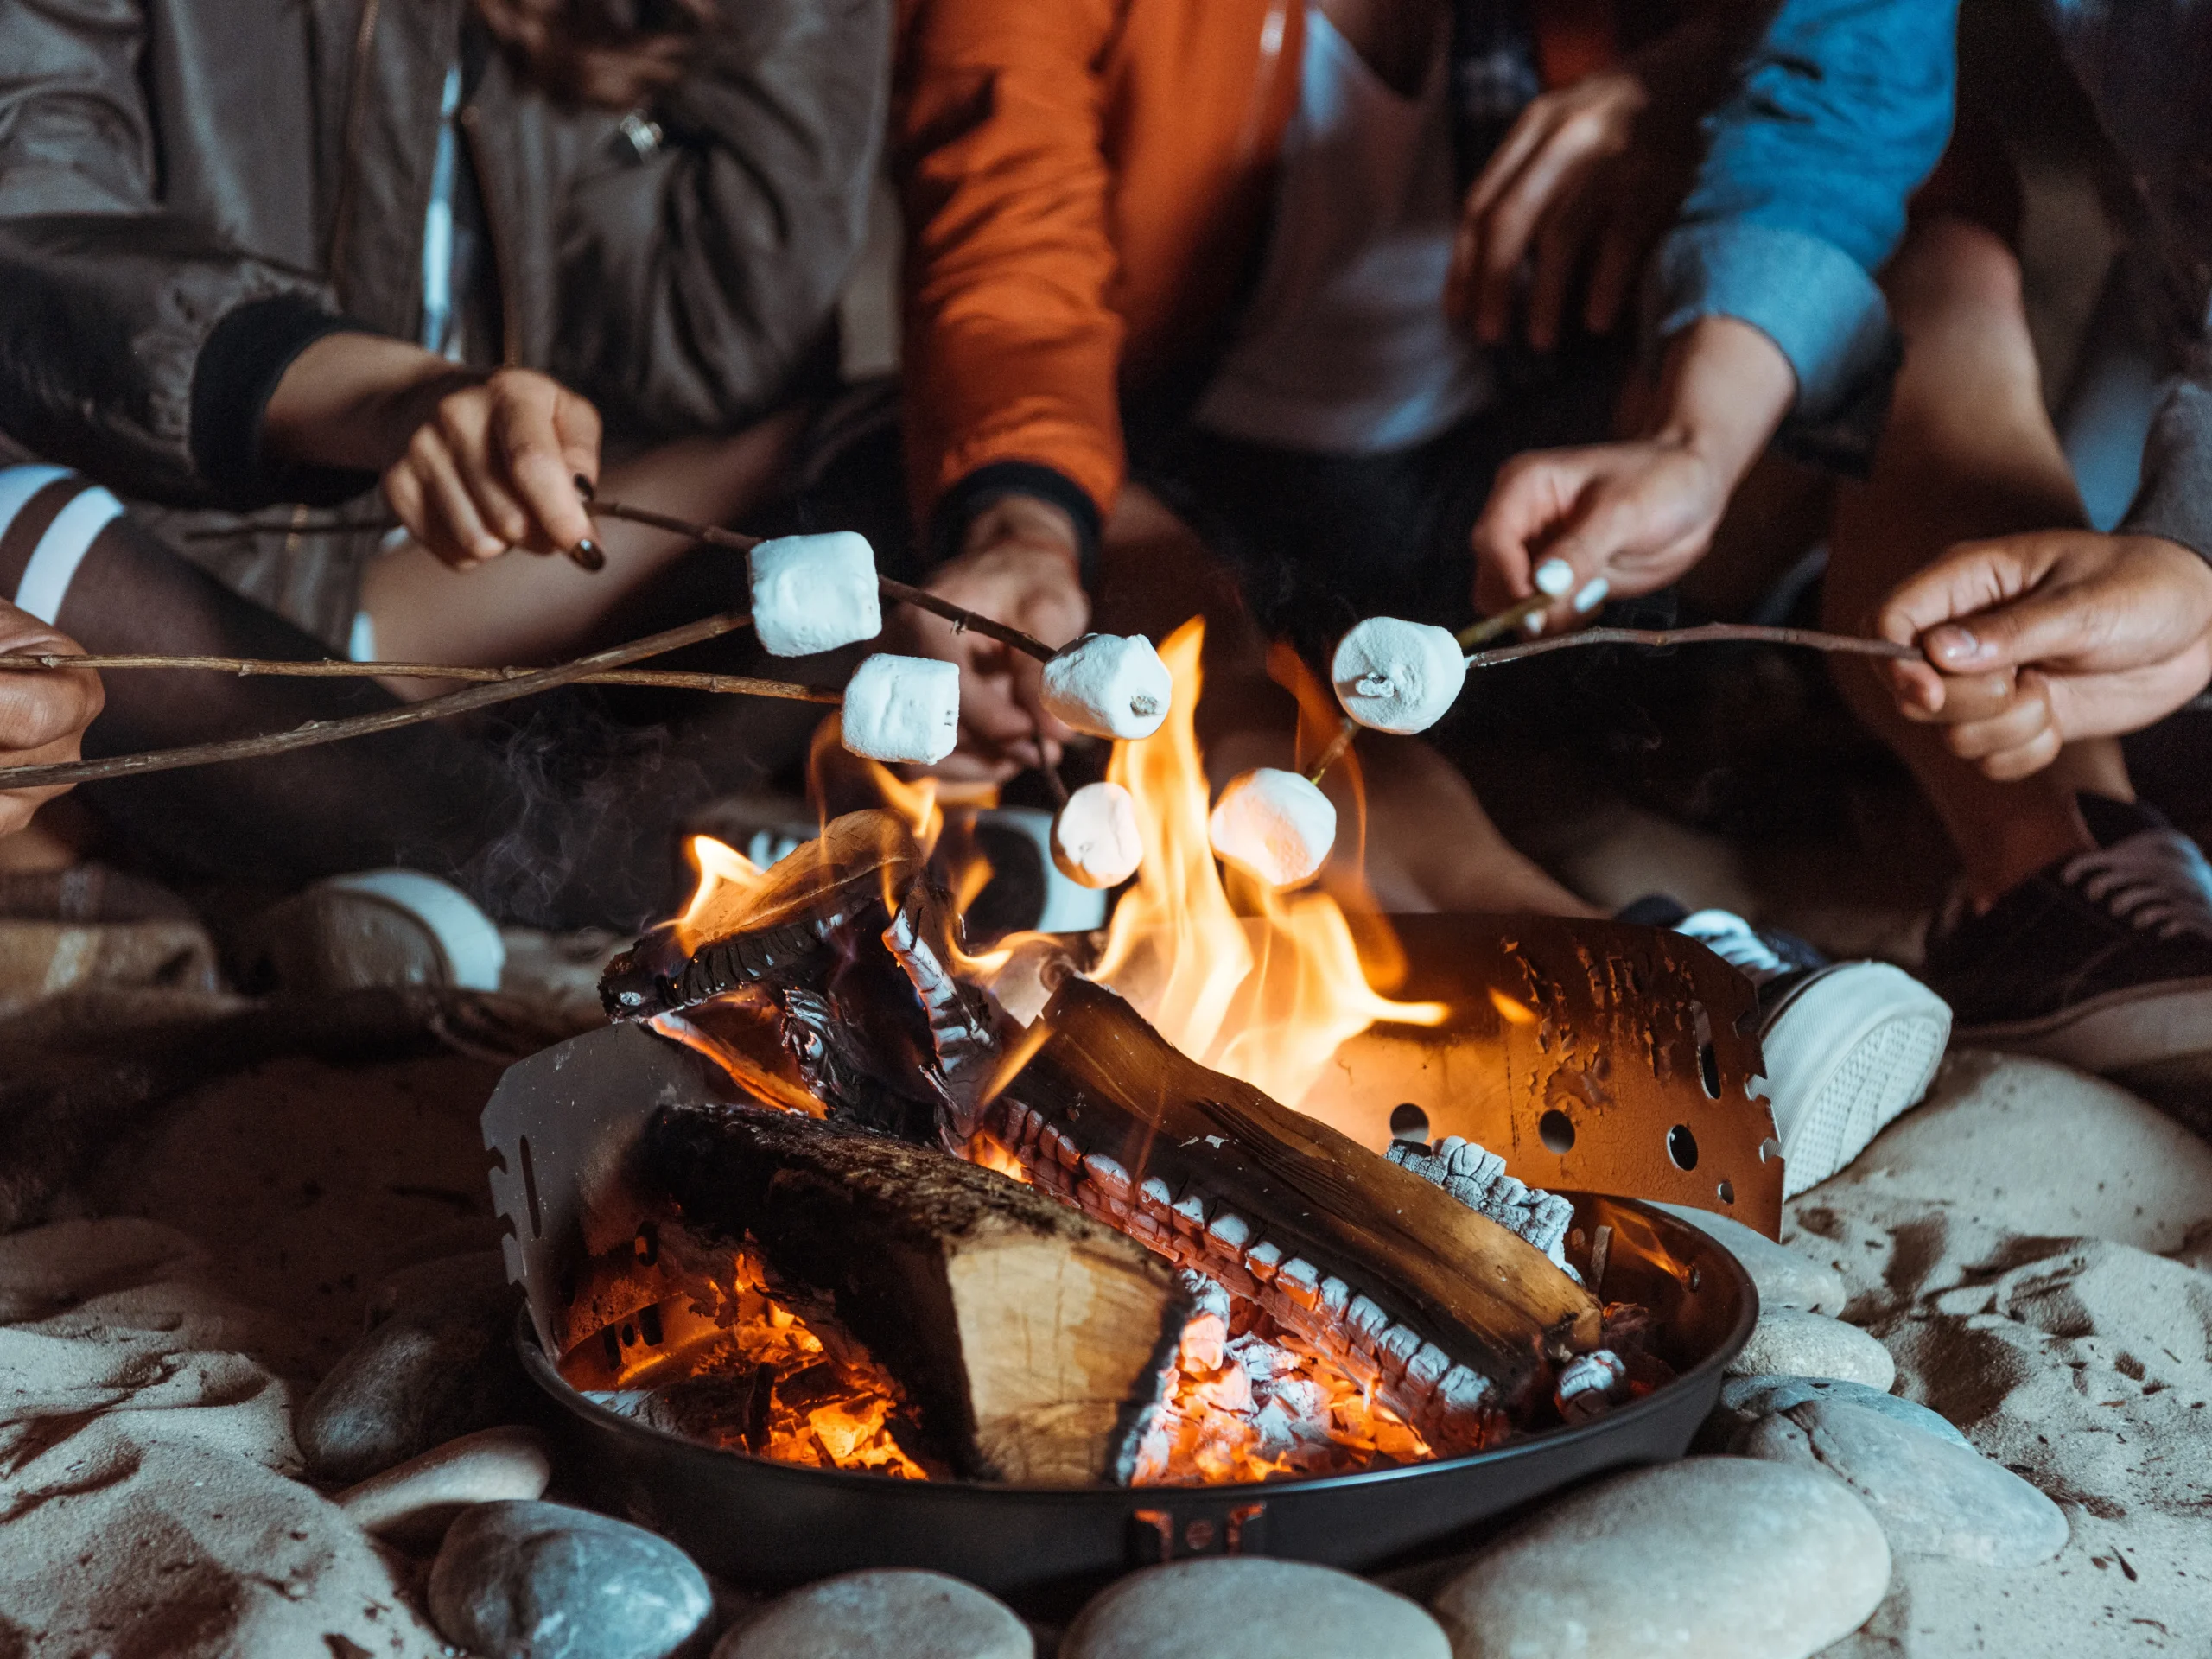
column 333, row 731
column 1339, row 746
column 1504, row 622
column 1712, row 633
column 252, row 667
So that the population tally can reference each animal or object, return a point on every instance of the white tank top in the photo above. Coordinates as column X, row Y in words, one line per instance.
column 1345, row 348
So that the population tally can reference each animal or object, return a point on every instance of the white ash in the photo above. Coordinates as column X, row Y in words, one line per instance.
column 814, row 593
column 1591, row 1385
column 1477, row 1178
column 1275, row 825
column 1095, row 837
column 1395, row 675
column 1109, row 685
column 902, row 708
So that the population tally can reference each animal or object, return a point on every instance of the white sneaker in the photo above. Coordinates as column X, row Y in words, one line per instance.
column 1849, row 1045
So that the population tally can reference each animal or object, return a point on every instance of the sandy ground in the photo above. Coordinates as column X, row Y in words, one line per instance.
column 2031, row 1245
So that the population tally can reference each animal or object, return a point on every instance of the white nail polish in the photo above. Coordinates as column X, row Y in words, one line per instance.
column 1554, row 576
column 1593, row 596
column 1535, row 622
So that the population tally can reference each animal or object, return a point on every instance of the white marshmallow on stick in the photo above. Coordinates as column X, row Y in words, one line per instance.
column 1095, row 839
column 1395, row 675
column 1275, row 825
column 1109, row 685
column 814, row 593
column 902, row 708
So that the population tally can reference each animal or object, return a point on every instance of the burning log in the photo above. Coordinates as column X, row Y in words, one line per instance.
column 1447, row 1313
column 1034, row 1343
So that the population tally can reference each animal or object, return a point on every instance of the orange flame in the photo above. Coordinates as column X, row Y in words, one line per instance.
column 1264, row 989
column 728, row 886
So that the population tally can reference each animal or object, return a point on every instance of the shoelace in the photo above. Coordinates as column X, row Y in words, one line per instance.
column 1730, row 937
column 2155, row 880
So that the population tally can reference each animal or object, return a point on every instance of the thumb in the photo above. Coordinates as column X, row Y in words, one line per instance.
column 2035, row 628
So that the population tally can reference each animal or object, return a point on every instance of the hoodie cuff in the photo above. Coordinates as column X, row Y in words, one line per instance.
column 1814, row 301
column 957, row 508
column 232, row 380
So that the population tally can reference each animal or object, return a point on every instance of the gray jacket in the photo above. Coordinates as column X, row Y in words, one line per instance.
column 166, row 166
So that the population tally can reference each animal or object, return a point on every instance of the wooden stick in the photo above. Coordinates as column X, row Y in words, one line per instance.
column 1712, row 633
column 1504, row 622
column 1339, row 746
column 244, row 667
column 317, row 732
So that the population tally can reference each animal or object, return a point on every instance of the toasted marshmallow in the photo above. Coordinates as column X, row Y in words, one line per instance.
column 814, row 593
column 1095, row 840
column 1109, row 685
column 1275, row 825
column 902, row 708
column 1395, row 675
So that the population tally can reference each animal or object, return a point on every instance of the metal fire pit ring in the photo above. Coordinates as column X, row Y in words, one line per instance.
column 559, row 1127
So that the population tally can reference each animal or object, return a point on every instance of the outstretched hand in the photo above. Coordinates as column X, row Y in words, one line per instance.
column 474, row 464
column 1020, row 567
column 42, row 715
column 2039, row 639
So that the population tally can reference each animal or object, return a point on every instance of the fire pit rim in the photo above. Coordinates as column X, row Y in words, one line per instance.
column 545, row 1373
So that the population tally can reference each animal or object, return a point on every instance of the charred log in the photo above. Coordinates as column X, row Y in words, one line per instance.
column 1450, row 1313
column 1032, row 1341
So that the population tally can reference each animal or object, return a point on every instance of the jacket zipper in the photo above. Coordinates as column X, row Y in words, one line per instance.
column 502, row 265
column 357, row 115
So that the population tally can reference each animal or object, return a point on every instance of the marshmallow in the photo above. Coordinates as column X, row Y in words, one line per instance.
column 1275, row 825
column 902, row 708
column 1395, row 675
column 814, row 593
column 1095, row 840
column 1109, row 685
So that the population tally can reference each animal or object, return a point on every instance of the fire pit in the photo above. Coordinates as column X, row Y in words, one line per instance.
column 860, row 1246
column 563, row 1126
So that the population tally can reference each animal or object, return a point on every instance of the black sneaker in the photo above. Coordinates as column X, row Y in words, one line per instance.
column 2102, row 960
column 1849, row 1045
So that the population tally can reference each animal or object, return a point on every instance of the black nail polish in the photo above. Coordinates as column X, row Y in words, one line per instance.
column 588, row 554
column 583, row 486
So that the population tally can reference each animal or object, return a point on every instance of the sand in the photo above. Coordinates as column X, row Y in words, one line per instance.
column 2031, row 1246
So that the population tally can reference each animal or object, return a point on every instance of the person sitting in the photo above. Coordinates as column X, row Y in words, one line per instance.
column 1180, row 281
column 245, row 280
column 463, row 265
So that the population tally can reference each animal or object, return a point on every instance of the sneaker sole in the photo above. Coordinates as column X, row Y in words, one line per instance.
column 1859, row 1044
column 2155, row 1038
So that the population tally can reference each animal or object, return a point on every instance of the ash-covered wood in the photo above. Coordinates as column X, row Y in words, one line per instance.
column 1032, row 1341
column 1442, row 1304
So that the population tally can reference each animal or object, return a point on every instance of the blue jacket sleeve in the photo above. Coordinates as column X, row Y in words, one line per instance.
column 1843, row 108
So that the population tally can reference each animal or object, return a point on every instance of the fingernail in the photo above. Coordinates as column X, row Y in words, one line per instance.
column 1954, row 643
column 1555, row 577
column 1593, row 596
column 1534, row 623
column 583, row 486
column 588, row 554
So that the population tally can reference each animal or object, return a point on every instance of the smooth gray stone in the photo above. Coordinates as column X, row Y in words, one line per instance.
column 1745, row 1400
column 1794, row 1343
column 528, row 1580
column 1245, row 1607
column 1785, row 1277
column 439, row 1368
column 1712, row 1558
column 1930, row 1497
column 891, row 1613
column 413, row 1502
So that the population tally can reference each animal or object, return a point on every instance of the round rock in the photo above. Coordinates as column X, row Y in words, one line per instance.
column 440, row 1367
column 1713, row 1558
column 415, row 1502
column 1796, row 1343
column 1785, row 1278
column 890, row 1614
column 1394, row 676
column 1244, row 1607
column 1745, row 1400
column 1932, row 1497
column 545, row 1581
